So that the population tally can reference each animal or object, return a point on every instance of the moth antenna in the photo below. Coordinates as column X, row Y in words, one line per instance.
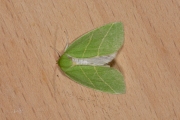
column 67, row 40
column 54, row 44
column 54, row 81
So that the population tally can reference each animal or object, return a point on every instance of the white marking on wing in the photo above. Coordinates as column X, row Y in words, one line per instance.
column 99, row 61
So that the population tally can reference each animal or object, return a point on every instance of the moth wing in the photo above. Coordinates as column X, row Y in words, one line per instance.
column 101, row 78
column 102, row 41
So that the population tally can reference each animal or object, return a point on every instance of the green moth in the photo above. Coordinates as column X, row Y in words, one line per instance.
column 86, row 59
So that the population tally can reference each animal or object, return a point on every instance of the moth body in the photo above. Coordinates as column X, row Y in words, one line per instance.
column 86, row 59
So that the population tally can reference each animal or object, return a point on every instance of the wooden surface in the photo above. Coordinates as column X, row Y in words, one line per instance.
column 31, row 88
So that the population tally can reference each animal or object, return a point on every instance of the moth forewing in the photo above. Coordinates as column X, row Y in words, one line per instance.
column 95, row 61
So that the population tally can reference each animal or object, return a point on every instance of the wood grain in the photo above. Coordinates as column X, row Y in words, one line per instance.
column 32, row 89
